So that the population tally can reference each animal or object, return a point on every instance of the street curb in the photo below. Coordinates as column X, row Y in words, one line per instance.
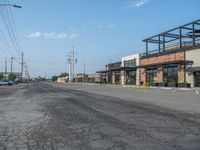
column 136, row 86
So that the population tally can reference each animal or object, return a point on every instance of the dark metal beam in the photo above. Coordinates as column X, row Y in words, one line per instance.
column 186, row 28
column 159, row 43
column 163, row 43
column 171, row 40
column 180, row 32
column 177, row 28
column 146, row 48
column 197, row 23
column 177, row 36
column 193, row 35
column 154, row 41
column 150, row 38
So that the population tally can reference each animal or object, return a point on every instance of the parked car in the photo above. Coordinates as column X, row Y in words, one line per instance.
column 3, row 83
column 6, row 82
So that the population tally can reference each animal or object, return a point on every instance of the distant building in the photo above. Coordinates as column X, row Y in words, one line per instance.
column 94, row 78
column 124, row 72
column 111, row 74
column 88, row 78
column 81, row 78
column 62, row 80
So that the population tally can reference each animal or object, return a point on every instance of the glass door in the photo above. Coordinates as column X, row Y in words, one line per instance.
column 197, row 79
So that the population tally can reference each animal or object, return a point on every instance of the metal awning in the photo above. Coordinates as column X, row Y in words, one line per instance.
column 118, row 69
column 187, row 32
column 194, row 69
column 169, row 63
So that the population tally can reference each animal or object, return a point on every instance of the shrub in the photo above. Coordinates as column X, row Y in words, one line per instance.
column 146, row 84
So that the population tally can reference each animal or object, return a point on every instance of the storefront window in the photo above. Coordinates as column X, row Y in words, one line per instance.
column 170, row 74
column 109, row 77
column 130, row 63
column 151, row 75
column 197, row 79
column 131, row 77
column 117, row 78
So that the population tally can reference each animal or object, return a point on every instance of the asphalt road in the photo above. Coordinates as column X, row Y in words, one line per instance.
column 44, row 116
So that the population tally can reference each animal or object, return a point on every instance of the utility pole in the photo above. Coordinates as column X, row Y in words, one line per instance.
column 25, row 70
column 27, row 77
column 84, row 66
column 5, row 67
column 11, row 64
column 72, row 60
column 22, row 65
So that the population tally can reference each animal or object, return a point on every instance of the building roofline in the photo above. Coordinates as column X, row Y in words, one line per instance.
column 182, row 26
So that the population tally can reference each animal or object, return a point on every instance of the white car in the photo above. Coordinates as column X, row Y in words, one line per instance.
column 6, row 82
column 3, row 83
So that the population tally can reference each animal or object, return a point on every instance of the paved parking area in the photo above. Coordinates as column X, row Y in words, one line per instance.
column 187, row 100
column 73, row 117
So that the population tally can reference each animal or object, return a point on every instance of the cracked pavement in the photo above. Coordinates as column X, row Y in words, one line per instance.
column 46, row 116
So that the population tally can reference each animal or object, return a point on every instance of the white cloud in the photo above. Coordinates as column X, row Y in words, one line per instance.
column 111, row 26
column 35, row 35
column 72, row 29
column 74, row 35
column 97, row 24
column 52, row 35
column 137, row 3
column 100, row 25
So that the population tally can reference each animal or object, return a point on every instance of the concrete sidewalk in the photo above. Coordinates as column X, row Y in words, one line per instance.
column 171, row 98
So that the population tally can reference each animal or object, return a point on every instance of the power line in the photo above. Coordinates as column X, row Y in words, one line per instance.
column 7, row 21
column 15, row 29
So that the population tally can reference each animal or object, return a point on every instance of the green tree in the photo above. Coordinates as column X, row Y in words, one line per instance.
column 41, row 78
column 64, row 74
column 54, row 78
column 1, row 76
column 12, row 76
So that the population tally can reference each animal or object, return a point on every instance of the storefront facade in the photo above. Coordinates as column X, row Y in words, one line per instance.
column 167, row 69
column 111, row 74
column 130, row 71
column 193, row 71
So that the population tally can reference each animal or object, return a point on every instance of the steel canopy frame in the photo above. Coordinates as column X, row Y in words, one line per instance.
column 192, row 32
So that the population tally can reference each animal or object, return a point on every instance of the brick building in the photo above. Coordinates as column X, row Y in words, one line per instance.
column 130, row 71
column 173, row 60
column 111, row 74
column 124, row 72
column 175, row 52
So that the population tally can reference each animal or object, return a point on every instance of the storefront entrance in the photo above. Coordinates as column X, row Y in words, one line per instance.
column 197, row 79
column 151, row 75
column 117, row 77
column 131, row 77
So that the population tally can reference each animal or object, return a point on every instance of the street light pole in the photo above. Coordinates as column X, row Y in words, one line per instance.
column 11, row 67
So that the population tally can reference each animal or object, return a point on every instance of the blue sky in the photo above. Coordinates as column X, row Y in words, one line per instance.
column 101, row 29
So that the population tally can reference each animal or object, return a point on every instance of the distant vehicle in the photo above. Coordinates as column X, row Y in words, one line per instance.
column 6, row 82
column 17, row 80
column 3, row 83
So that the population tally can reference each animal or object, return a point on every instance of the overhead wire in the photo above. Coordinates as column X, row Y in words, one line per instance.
column 7, row 21
column 12, row 34
column 8, row 30
column 15, row 28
